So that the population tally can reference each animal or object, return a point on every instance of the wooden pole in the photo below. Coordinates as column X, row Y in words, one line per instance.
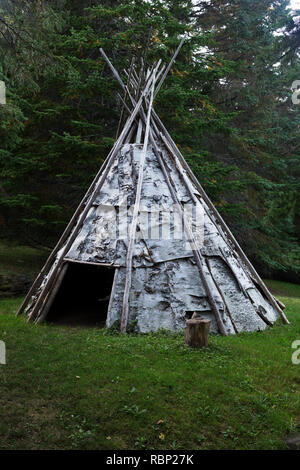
column 221, row 295
column 139, row 82
column 51, row 297
column 63, row 238
column 221, row 221
column 197, row 254
column 139, row 132
column 125, row 97
column 131, row 242
column 82, row 216
column 130, row 133
column 118, row 78
column 169, row 67
column 91, row 263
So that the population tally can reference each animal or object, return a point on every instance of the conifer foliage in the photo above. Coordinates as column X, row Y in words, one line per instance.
column 227, row 103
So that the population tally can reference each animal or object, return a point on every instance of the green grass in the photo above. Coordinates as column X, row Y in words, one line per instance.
column 76, row 388
column 285, row 289
column 16, row 259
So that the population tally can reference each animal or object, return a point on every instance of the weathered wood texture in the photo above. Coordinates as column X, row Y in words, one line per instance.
column 52, row 295
column 197, row 332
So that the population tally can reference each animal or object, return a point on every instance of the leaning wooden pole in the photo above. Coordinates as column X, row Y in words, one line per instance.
column 169, row 146
column 125, row 97
column 196, row 252
column 71, row 225
column 51, row 297
column 49, row 283
column 221, row 221
column 173, row 150
column 132, row 234
column 169, row 67
column 61, row 241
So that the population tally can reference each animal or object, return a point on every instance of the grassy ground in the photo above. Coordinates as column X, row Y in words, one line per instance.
column 284, row 289
column 16, row 259
column 67, row 387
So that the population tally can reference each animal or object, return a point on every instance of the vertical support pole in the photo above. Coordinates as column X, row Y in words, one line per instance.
column 131, row 241
column 125, row 97
column 139, row 132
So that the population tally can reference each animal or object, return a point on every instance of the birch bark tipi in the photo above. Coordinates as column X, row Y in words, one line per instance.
column 146, row 248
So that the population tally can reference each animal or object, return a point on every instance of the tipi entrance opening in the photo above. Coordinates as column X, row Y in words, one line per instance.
column 83, row 296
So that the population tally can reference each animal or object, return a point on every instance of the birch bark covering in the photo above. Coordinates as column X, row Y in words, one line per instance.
column 165, row 280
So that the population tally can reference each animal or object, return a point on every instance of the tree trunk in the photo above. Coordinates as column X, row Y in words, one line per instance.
column 197, row 332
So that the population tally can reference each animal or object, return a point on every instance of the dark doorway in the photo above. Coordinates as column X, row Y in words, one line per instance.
column 83, row 296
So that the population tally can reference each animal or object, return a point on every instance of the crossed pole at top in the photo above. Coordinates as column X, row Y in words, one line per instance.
column 136, row 81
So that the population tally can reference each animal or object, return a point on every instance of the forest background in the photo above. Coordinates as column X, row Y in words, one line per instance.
column 227, row 103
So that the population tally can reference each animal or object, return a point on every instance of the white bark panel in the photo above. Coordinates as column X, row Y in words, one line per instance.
column 262, row 305
column 241, row 309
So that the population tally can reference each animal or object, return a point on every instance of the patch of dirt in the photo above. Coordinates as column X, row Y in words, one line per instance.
column 41, row 413
column 26, row 423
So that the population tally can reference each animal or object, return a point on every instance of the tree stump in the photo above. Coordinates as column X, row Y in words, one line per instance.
column 197, row 332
